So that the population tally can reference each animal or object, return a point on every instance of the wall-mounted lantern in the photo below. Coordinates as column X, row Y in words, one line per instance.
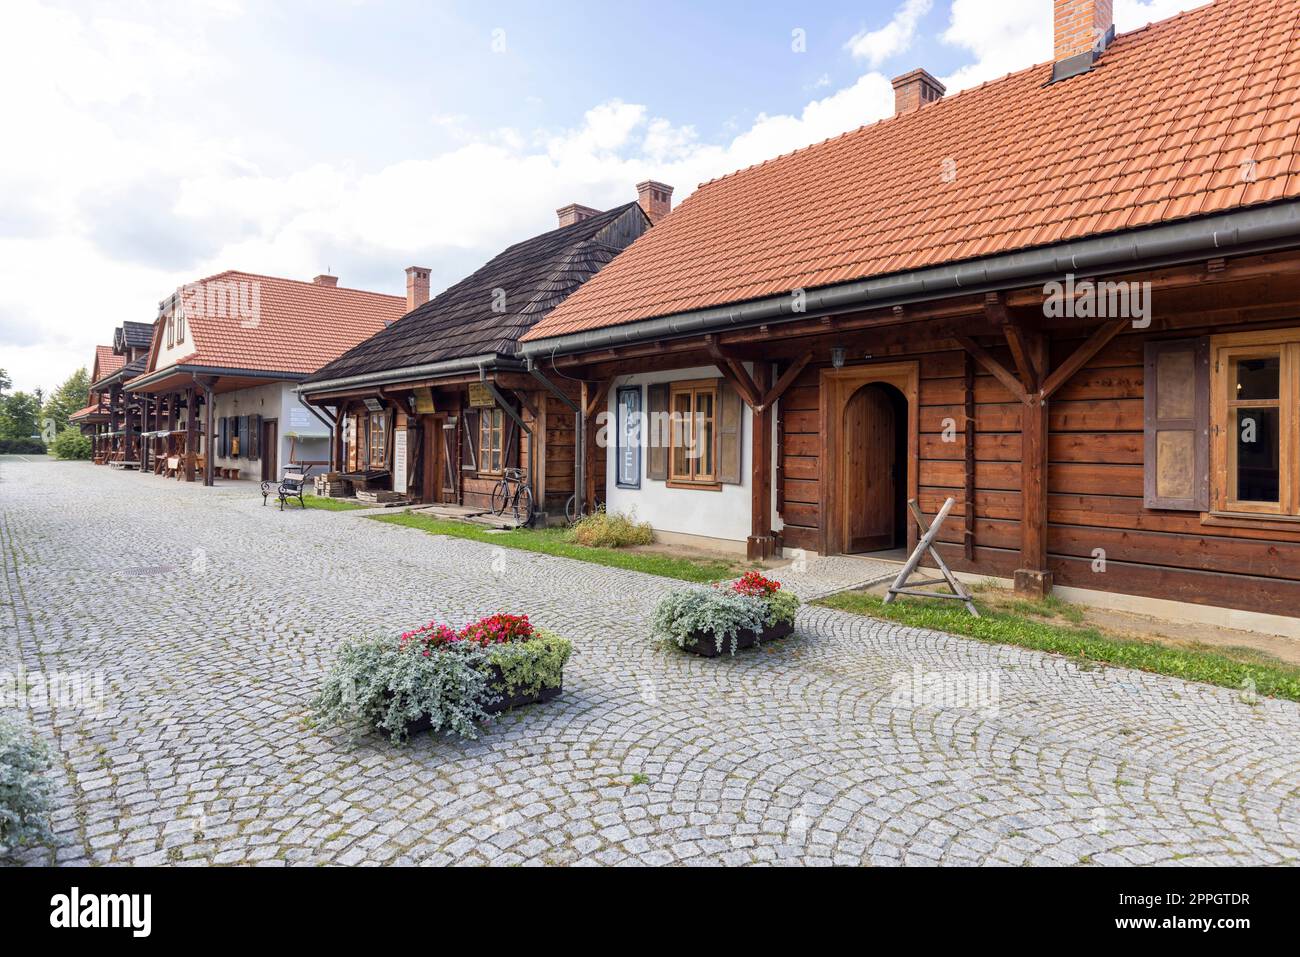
column 837, row 357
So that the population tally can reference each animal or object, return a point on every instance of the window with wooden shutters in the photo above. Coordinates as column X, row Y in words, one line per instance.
column 351, row 441
column 1176, row 418
column 657, row 432
column 1255, row 410
column 490, row 437
column 378, row 429
column 693, row 445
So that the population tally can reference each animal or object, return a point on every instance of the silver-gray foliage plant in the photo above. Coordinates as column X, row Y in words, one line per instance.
column 25, row 788
column 723, row 613
column 376, row 684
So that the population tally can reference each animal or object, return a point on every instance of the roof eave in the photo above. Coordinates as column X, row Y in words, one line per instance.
column 1254, row 229
column 489, row 360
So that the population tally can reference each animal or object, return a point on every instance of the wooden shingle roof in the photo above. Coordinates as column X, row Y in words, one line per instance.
column 488, row 311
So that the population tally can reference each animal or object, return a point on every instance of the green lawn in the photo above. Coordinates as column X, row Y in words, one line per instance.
column 330, row 504
column 1030, row 626
column 554, row 541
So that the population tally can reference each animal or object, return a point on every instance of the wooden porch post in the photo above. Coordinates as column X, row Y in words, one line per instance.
column 336, row 440
column 207, row 435
column 114, row 413
column 191, row 431
column 593, row 401
column 761, row 543
column 1032, row 577
column 146, row 418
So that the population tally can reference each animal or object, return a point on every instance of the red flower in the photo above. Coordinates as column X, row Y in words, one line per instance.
column 755, row 585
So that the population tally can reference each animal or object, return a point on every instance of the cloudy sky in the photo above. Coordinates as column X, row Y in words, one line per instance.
column 150, row 144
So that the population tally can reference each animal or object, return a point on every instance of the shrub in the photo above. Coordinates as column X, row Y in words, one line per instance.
column 436, row 673
column 611, row 530
column 71, row 444
column 22, row 447
column 750, row 604
column 24, row 788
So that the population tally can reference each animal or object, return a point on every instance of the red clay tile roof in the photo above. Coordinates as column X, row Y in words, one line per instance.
column 268, row 324
column 97, row 407
column 1193, row 115
column 106, row 363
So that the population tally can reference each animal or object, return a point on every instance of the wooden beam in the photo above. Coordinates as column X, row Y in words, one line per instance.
column 1080, row 357
column 999, row 371
column 761, row 543
column 598, row 395
column 1032, row 578
column 786, row 380
column 734, row 372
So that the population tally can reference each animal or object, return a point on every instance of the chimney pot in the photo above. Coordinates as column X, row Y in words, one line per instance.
column 914, row 90
column 1082, row 29
column 655, row 198
column 324, row 279
column 417, row 286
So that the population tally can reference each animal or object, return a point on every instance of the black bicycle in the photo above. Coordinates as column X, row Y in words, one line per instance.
column 514, row 493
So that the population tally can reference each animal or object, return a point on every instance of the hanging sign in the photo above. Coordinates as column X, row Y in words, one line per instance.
column 479, row 396
column 424, row 402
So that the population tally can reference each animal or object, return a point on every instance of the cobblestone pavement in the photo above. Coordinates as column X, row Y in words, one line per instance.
column 213, row 619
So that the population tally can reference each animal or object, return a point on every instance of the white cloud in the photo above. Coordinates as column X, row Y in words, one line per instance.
column 1020, row 35
column 877, row 46
column 123, row 192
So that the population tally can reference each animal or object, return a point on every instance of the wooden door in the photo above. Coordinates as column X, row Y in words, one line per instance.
column 270, row 449
column 870, row 474
column 431, row 459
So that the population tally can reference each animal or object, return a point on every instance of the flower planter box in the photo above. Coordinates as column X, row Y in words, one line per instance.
column 507, row 702
column 705, row 642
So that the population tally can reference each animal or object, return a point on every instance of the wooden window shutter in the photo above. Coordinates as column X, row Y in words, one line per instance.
column 243, row 436
column 255, row 437
column 731, row 418
column 510, row 444
column 658, row 433
column 223, row 437
column 1176, row 419
column 469, row 441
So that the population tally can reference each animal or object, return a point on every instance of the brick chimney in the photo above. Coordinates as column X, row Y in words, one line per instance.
column 1082, row 30
column 913, row 90
column 417, row 286
column 325, row 279
column 574, row 213
column 655, row 198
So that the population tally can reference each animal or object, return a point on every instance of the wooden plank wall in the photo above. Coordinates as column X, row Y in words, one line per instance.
column 1094, row 487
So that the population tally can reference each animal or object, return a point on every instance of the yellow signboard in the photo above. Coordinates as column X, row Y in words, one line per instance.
column 424, row 402
column 479, row 396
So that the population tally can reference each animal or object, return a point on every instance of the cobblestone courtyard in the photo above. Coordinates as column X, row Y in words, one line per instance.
column 212, row 619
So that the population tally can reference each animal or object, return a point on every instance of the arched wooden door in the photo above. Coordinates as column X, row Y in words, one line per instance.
column 871, row 471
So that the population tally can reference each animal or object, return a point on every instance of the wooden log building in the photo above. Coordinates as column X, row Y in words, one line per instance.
column 436, row 406
column 1069, row 298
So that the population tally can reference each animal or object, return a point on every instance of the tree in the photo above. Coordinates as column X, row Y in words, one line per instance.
column 71, row 395
column 19, row 416
column 71, row 444
column 5, row 382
